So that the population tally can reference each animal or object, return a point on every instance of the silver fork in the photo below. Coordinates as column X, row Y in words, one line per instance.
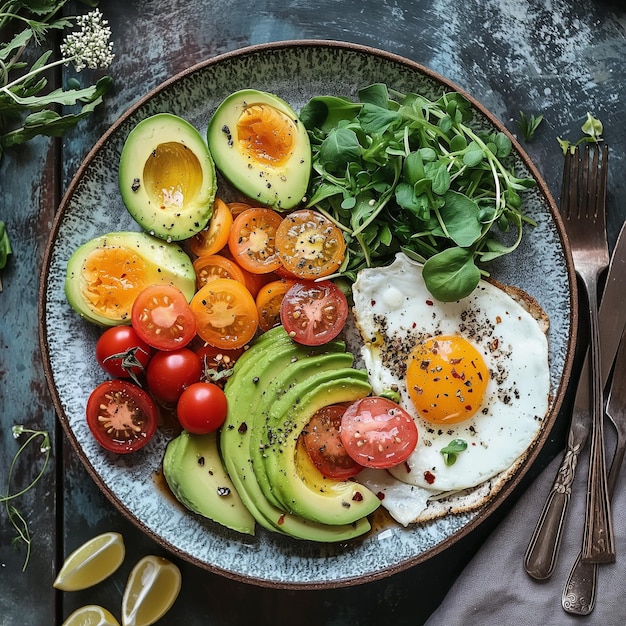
column 583, row 211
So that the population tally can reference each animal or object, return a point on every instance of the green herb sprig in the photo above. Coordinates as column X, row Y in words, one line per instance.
column 452, row 450
column 407, row 173
column 18, row 521
column 27, row 108
column 592, row 129
column 528, row 125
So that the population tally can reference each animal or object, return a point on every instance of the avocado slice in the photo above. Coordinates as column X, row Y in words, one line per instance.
column 342, row 502
column 105, row 275
column 260, row 146
column 253, row 371
column 194, row 472
column 167, row 177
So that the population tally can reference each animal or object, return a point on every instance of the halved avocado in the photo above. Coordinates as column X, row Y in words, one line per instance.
column 261, row 147
column 167, row 177
column 104, row 275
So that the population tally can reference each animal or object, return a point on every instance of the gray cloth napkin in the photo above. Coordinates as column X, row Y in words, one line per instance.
column 494, row 588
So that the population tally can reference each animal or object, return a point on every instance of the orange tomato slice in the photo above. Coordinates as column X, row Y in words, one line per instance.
column 214, row 266
column 268, row 302
column 215, row 236
column 226, row 314
column 309, row 245
column 252, row 240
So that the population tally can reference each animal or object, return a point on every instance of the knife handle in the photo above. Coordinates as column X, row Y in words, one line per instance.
column 579, row 593
column 545, row 541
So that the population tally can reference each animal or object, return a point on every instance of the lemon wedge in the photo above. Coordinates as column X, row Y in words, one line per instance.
column 91, row 615
column 152, row 588
column 91, row 563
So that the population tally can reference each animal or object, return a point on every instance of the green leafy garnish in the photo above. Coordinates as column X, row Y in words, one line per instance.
column 592, row 129
column 18, row 521
column 529, row 125
column 399, row 172
column 452, row 450
column 27, row 108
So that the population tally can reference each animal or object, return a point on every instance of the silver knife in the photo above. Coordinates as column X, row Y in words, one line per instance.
column 543, row 548
column 579, row 593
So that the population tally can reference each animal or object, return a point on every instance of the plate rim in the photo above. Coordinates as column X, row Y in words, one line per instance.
column 484, row 512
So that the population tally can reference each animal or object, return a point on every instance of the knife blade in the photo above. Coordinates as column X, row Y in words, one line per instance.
column 543, row 548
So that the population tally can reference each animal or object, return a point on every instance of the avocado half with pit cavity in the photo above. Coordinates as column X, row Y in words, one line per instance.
column 260, row 146
column 167, row 177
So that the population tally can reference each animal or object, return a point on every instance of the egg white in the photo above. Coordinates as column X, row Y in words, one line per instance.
column 394, row 310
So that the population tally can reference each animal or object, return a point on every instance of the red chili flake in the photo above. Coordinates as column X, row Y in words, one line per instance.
column 468, row 407
column 493, row 346
column 373, row 302
column 460, row 376
column 357, row 497
column 430, row 303
column 429, row 477
column 243, row 427
column 380, row 495
column 407, row 467
column 281, row 519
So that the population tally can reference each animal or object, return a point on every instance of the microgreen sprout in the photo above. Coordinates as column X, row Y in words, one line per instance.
column 592, row 129
column 529, row 125
column 452, row 451
column 18, row 521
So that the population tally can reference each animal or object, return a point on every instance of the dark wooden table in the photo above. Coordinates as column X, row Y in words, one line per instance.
column 513, row 55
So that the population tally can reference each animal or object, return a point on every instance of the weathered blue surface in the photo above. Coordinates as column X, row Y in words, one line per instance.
column 561, row 58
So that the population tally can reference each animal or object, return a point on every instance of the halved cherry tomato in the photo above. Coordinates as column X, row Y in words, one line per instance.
column 121, row 353
column 225, row 313
column 268, row 302
column 202, row 408
column 170, row 373
column 309, row 245
column 314, row 312
column 212, row 266
column 252, row 240
column 121, row 416
column 215, row 236
column 217, row 363
column 163, row 318
column 324, row 446
column 238, row 207
column 377, row 432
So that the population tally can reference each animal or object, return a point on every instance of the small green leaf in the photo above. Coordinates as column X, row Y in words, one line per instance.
column 339, row 148
column 461, row 217
column 451, row 275
column 452, row 450
column 592, row 127
column 473, row 156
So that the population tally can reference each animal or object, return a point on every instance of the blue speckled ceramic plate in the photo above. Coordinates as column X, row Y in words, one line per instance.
column 295, row 71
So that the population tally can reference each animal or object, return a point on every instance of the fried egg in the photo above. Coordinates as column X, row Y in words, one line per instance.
column 472, row 373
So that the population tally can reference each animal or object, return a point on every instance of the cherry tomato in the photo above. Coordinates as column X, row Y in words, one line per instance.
column 202, row 408
column 252, row 240
column 377, row 432
column 225, row 313
column 162, row 317
column 268, row 302
column 121, row 353
column 309, row 245
column 169, row 373
column 314, row 312
column 238, row 207
column 324, row 446
column 215, row 236
column 217, row 363
column 214, row 266
column 121, row 416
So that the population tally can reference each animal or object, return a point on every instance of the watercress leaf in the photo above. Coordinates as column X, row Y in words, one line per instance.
column 427, row 154
column 325, row 112
column 445, row 123
column 348, row 203
column 376, row 94
column 473, row 156
column 451, row 274
column 461, row 217
column 375, row 119
column 340, row 147
column 413, row 168
column 406, row 197
column 441, row 180
column 452, row 450
column 458, row 143
column 503, row 145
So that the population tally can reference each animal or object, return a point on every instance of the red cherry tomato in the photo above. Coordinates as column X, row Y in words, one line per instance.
column 169, row 373
column 121, row 416
column 202, row 408
column 377, row 432
column 313, row 313
column 324, row 446
column 121, row 353
column 163, row 318
column 217, row 363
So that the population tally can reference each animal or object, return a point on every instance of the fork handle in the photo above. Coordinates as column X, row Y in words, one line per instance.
column 543, row 547
column 579, row 593
column 598, row 539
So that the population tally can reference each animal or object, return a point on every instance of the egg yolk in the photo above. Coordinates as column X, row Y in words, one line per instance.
column 266, row 135
column 446, row 379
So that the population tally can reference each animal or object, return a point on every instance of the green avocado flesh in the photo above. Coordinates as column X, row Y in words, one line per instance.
column 105, row 275
column 260, row 146
column 167, row 177
column 275, row 368
column 194, row 472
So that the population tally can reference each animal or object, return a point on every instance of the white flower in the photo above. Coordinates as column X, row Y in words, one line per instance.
column 89, row 46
